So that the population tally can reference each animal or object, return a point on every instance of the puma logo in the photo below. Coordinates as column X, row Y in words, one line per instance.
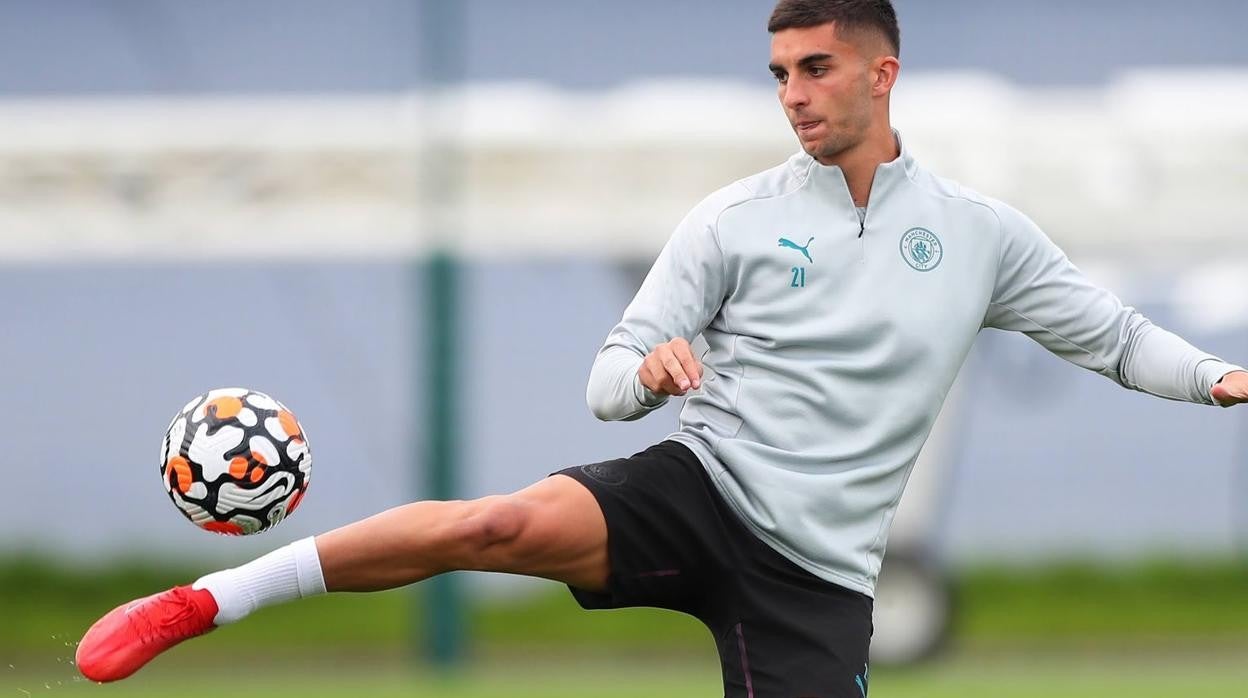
column 805, row 250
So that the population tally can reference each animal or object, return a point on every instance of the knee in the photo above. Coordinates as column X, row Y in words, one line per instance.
column 501, row 521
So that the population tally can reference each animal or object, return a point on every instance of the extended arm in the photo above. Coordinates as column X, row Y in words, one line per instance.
column 1040, row 293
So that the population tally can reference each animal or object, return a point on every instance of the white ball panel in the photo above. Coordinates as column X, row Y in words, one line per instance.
column 299, row 448
column 263, row 402
column 197, row 513
column 209, row 451
column 191, row 405
column 266, row 449
column 247, row 417
column 274, row 427
column 231, row 496
column 177, row 432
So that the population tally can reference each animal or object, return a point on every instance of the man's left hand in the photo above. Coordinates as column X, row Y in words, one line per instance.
column 1232, row 390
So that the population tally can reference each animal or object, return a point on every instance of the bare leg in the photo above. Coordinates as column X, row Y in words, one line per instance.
column 552, row 529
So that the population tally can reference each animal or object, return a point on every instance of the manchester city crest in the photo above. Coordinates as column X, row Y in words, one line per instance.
column 921, row 249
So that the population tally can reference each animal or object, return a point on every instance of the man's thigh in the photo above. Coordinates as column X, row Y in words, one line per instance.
column 792, row 635
column 562, row 534
column 665, row 535
column 819, row 657
column 632, row 531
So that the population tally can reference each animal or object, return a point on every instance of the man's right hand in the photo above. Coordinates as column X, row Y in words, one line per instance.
column 671, row 369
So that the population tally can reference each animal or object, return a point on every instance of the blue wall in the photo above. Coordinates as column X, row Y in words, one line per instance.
column 156, row 46
column 96, row 359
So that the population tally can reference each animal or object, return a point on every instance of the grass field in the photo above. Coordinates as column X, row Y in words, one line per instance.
column 1210, row 675
column 1069, row 631
column 1056, row 607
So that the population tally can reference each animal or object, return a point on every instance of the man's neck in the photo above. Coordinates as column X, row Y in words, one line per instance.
column 860, row 162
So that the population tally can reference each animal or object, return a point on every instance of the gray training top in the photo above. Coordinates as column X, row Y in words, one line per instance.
column 834, row 340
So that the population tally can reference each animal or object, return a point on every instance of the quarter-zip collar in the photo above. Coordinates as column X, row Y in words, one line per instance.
column 830, row 179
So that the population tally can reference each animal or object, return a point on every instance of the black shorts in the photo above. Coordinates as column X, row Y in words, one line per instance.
column 674, row 543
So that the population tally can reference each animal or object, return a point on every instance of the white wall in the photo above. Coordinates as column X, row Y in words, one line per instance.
column 1149, row 167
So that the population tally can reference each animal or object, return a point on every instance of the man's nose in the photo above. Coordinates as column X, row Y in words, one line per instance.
column 795, row 96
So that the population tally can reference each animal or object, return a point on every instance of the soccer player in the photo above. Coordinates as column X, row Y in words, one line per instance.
column 839, row 293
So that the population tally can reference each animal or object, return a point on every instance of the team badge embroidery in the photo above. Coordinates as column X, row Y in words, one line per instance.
column 921, row 249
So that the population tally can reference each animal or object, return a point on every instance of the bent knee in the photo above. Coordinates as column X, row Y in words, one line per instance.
column 553, row 529
column 500, row 522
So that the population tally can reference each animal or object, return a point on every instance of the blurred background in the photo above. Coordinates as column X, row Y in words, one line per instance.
column 414, row 222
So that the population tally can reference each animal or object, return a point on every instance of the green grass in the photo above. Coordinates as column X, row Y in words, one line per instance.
column 1210, row 675
column 1081, row 603
column 1073, row 631
column 39, row 599
column 1213, row 674
column 1060, row 607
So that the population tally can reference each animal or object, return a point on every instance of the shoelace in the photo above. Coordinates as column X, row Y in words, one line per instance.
column 169, row 627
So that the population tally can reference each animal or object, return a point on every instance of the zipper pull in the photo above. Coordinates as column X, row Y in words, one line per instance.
column 862, row 227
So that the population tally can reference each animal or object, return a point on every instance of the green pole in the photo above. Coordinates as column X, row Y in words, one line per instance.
column 444, row 603
column 441, row 37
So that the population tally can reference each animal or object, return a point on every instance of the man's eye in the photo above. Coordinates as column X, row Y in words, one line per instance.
column 780, row 77
column 818, row 71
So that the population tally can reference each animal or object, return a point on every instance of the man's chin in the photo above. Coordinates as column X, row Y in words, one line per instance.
column 813, row 147
column 819, row 150
column 825, row 150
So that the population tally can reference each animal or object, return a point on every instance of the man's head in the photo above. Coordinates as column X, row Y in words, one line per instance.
column 836, row 63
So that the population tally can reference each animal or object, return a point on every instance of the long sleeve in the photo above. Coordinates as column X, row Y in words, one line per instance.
column 680, row 296
column 1041, row 294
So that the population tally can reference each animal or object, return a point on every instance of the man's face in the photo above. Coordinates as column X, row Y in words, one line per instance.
column 825, row 87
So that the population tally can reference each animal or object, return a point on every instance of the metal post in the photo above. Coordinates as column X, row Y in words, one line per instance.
column 444, row 605
column 441, row 38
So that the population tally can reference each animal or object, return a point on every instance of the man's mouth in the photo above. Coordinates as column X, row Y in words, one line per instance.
column 807, row 126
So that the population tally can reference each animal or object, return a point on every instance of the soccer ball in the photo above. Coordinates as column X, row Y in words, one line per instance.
column 235, row 461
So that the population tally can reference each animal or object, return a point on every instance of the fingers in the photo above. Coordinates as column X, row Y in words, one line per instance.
column 689, row 365
column 671, row 369
column 654, row 376
column 668, row 376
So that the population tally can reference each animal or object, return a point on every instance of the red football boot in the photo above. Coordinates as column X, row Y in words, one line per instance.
column 131, row 635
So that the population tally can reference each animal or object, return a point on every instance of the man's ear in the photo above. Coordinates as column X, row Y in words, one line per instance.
column 884, row 72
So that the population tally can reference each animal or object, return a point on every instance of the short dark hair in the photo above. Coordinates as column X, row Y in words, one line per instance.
column 872, row 15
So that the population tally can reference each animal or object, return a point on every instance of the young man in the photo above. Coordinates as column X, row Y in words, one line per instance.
column 839, row 293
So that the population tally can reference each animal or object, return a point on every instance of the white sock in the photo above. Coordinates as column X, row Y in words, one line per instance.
column 288, row 573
